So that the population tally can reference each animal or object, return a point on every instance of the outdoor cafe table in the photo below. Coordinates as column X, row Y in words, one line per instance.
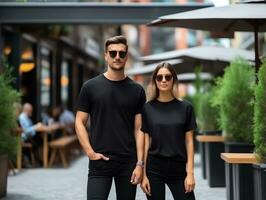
column 243, row 184
column 45, row 149
column 44, row 131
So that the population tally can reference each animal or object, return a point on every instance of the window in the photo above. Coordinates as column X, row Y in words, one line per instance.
column 45, row 77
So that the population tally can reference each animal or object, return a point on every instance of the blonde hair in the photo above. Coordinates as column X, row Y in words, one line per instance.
column 153, row 91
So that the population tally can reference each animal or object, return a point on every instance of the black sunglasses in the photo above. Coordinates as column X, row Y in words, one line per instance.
column 167, row 77
column 122, row 54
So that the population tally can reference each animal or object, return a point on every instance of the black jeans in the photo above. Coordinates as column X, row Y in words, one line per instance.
column 169, row 171
column 101, row 174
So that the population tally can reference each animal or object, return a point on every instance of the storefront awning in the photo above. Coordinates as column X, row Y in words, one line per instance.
column 89, row 13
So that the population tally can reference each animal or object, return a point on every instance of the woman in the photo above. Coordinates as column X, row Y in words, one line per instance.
column 168, row 124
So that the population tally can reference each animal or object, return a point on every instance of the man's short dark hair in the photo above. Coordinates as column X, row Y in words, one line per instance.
column 120, row 39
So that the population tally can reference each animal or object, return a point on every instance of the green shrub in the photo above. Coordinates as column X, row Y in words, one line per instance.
column 199, row 86
column 207, row 113
column 234, row 97
column 8, row 97
column 260, row 114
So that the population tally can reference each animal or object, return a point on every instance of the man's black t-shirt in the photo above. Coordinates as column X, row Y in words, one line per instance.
column 112, row 106
column 167, row 124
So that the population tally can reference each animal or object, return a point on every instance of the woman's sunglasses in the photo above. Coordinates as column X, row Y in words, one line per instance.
column 167, row 77
column 122, row 54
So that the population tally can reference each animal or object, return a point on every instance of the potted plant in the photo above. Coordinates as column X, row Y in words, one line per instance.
column 8, row 143
column 198, row 84
column 260, row 134
column 207, row 113
column 234, row 98
column 233, row 95
column 207, row 117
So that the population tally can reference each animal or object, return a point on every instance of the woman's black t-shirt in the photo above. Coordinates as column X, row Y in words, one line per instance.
column 112, row 106
column 167, row 123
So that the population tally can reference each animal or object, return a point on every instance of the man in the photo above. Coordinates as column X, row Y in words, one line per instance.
column 65, row 117
column 113, row 102
column 29, row 129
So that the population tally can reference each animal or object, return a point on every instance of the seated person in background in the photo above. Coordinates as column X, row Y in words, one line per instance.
column 46, row 116
column 30, row 129
column 65, row 118
column 47, row 119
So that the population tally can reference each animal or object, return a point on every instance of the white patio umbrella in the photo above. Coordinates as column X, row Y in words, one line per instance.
column 247, row 17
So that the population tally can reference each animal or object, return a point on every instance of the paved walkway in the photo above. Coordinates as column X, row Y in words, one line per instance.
column 70, row 184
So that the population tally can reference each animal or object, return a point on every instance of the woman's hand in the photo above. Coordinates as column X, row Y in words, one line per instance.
column 189, row 183
column 137, row 175
column 145, row 185
column 97, row 156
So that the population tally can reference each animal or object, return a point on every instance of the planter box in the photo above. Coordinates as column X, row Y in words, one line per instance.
column 213, row 145
column 214, row 164
column 196, row 144
column 202, row 159
column 3, row 175
column 233, row 147
column 202, row 151
column 243, row 188
column 259, row 172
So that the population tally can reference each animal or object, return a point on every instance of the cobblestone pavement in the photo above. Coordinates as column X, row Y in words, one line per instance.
column 70, row 184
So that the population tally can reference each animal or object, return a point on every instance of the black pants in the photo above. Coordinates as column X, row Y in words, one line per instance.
column 170, row 172
column 101, row 174
column 36, row 142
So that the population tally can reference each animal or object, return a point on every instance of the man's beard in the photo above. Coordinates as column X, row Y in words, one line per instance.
column 117, row 69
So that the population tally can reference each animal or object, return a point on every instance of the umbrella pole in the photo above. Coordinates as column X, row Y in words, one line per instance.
column 257, row 60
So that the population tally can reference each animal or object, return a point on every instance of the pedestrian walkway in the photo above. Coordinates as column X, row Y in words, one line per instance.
column 70, row 184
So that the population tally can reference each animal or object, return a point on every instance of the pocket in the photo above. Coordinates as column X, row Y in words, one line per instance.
column 96, row 164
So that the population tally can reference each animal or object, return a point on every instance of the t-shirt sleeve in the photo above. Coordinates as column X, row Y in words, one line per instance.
column 190, row 119
column 141, row 101
column 144, row 123
column 83, row 103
